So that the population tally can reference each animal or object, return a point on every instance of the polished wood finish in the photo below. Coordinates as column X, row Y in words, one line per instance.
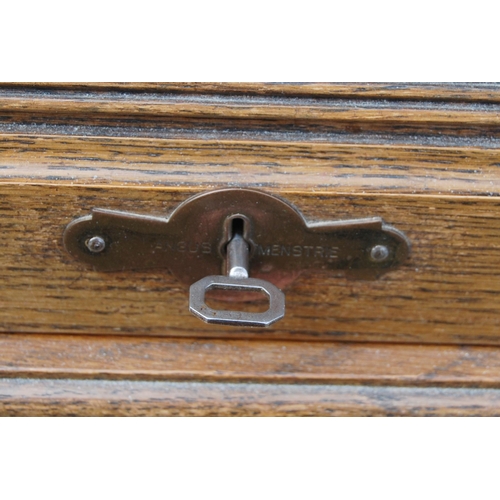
column 423, row 157
column 147, row 151
column 281, row 362
column 19, row 397
column 482, row 92
column 44, row 290
column 111, row 376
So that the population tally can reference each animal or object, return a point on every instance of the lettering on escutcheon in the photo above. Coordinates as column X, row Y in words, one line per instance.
column 298, row 251
column 185, row 247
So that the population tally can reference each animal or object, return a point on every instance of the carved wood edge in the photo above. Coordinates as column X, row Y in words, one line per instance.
column 364, row 113
column 264, row 361
column 66, row 397
column 483, row 92
column 82, row 375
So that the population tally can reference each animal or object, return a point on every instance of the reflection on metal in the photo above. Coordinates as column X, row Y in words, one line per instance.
column 379, row 253
column 207, row 236
column 237, row 252
column 96, row 244
column 198, row 307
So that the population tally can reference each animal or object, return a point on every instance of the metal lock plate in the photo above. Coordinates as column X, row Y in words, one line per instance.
column 192, row 243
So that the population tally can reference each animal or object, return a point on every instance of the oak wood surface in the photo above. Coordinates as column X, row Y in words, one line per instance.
column 47, row 375
column 32, row 397
column 423, row 157
column 187, row 166
column 256, row 361
column 44, row 290
column 483, row 92
column 245, row 109
column 444, row 197
column 335, row 117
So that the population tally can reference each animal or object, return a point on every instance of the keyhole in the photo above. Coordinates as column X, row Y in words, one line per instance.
column 237, row 227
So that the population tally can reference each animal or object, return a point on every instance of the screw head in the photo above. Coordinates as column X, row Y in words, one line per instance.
column 379, row 253
column 96, row 244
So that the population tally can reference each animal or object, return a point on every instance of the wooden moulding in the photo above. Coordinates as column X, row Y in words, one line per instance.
column 124, row 398
column 264, row 361
column 462, row 92
column 81, row 375
column 420, row 340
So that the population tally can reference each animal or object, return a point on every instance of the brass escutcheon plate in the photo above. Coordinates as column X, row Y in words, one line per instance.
column 191, row 242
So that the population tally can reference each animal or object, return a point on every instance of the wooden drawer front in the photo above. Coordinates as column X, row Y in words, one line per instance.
column 428, row 168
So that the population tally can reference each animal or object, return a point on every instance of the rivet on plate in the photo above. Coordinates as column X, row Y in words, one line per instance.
column 379, row 253
column 96, row 244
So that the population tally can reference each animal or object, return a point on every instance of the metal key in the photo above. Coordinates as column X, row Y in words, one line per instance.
column 236, row 280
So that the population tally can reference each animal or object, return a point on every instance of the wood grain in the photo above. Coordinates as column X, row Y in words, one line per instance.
column 131, row 112
column 456, row 238
column 241, row 110
column 19, row 397
column 65, row 375
column 423, row 157
column 255, row 361
column 443, row 197
column 189, row 166
column 482, row 92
